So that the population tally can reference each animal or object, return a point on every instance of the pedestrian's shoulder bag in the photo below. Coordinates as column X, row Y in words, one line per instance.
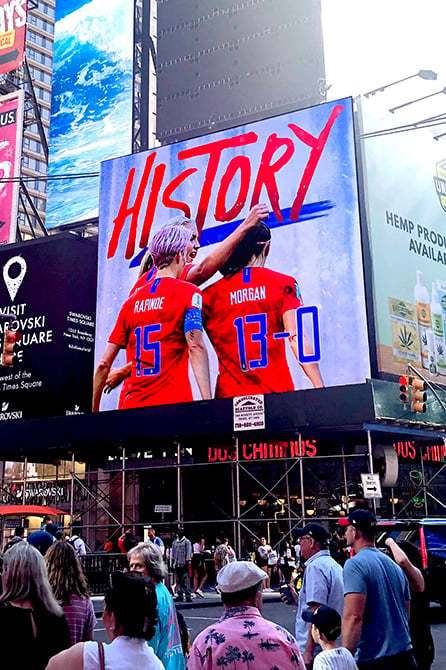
column 101, row 656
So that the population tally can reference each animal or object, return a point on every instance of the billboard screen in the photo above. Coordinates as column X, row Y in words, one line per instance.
column 48, row 289
column 91, row 110
column 307, row 303
column 406, row 202
column 11, row 123
column 220, row 64
column 12, row 34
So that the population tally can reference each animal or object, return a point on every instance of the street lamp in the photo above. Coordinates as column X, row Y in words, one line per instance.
column 410, row 102
column 424, row 74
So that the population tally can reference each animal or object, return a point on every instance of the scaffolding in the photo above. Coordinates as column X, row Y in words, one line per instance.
column 231, row 492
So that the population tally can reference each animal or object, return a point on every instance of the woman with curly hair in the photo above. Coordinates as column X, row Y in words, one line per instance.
column 32, row 624
column 129, row 618
column 71, row 590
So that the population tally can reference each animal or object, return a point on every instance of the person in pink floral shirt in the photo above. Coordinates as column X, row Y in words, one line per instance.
column 242, row 639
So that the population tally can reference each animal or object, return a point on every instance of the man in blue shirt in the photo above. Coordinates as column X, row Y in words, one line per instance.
column 154, row 538
column 321, row 585
column 376, row 611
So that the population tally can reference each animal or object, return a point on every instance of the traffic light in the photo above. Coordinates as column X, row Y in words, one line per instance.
column 419, row 396
column 10, row 337
column 404, row 389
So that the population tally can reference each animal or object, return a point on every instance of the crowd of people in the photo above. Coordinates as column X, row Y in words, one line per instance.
column 371, row 613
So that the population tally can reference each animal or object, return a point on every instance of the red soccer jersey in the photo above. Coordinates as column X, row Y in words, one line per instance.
column 243, row 316
column 150, row 326
column 148, row 276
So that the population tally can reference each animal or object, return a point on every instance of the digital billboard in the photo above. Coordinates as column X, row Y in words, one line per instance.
column 11, row 123
column 91, row 109
column 12, row 34
column 47, row 294
column 295, row 319
column 219, row 64
column 405, row 180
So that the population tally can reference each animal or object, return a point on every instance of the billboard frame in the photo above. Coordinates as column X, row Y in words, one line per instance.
column 18, row 95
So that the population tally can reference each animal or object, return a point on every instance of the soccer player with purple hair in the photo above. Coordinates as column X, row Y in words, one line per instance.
column 160, row 326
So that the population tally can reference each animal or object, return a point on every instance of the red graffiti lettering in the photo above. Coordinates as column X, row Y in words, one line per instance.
column 125, row 210
column 243, row 164
column 266, row 175
column 214, row 149
column 277, row 153
column 150, row 209
column 317, row 144
column 170, row 188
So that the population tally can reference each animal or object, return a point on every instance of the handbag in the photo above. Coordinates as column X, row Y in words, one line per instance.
column 101, row 656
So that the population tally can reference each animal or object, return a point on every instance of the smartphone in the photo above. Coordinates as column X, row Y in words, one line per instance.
column 286, row 591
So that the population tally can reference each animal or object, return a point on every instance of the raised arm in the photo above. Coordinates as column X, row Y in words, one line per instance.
column 413, row 574
column 198, row 357
column 201, row 272
column 311, row 369
column 102, row 372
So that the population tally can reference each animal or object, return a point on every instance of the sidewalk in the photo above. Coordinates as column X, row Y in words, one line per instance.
column 211, row 599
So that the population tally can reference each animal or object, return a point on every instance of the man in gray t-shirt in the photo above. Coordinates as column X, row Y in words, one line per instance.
column 375, row 623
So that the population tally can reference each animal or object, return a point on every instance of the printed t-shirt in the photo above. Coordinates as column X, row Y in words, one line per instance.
column 151, row 325
column 243, row 317
column 166, row 642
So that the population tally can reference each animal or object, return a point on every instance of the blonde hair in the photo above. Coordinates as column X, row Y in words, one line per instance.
column 25, row 578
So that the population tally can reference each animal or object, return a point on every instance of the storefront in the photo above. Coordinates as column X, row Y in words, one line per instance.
column 306, row 464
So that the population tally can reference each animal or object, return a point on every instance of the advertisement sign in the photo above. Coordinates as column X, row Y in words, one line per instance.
column 47, row 287
column 405, row 177
column 11, row 122
column 298, row 322
column 12, row 34
column 91, row 108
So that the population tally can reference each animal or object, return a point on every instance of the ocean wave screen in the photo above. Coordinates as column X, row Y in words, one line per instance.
column 91, row 110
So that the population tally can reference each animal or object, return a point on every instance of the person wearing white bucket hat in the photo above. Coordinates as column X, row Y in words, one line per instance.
column 242, row 636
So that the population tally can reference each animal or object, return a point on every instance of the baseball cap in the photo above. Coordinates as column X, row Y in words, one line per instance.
column 343, row 521
column 238, row 576
column 314, row 530
column 41, row 540
column 326, row 619
column 363, row 520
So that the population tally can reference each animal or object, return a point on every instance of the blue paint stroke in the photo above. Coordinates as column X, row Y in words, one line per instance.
column 216, row 234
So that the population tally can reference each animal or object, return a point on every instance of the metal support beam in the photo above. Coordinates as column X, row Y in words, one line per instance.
column 143, row 50
column 34, row 210
column 36, row 109
column 123, row 489
column 370, row 457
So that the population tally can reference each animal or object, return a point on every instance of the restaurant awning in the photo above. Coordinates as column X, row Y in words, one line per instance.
column 29, row 510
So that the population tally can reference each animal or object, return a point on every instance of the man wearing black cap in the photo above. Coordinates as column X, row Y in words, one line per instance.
column 321, row 585
column 375, row 623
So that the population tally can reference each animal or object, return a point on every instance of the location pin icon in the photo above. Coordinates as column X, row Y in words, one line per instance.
column 13, row 283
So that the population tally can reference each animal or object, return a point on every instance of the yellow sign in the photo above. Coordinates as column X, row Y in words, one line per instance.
column 7, row 39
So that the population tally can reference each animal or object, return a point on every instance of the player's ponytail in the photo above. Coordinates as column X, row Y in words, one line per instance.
column 251, row 245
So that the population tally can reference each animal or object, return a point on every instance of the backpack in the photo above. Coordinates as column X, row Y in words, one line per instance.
column 72, row 540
